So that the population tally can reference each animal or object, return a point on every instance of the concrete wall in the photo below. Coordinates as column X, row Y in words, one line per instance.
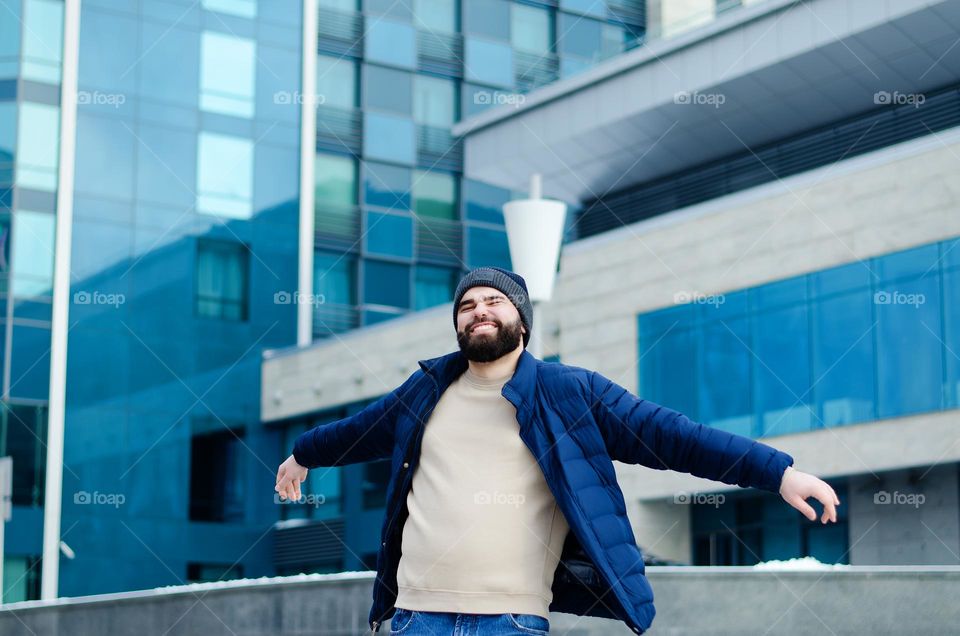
column 703, row 601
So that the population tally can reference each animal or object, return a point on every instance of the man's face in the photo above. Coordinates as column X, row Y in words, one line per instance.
column 488, row 324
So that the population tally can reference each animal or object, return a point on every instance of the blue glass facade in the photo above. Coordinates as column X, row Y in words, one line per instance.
column 860, row 342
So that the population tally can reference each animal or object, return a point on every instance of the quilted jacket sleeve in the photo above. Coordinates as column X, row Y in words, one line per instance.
column 362, row 437
column 637, row 431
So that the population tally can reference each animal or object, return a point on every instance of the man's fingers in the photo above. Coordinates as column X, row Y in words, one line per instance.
column 280, row 474
column 829, row 509
column 805, row 509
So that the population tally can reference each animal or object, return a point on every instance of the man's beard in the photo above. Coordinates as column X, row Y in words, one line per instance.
column 486, row 347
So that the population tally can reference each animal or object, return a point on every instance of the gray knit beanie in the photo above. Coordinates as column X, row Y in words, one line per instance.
column 512, row 285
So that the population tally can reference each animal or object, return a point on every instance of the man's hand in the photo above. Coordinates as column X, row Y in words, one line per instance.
column 289, row 477
column 796, row 486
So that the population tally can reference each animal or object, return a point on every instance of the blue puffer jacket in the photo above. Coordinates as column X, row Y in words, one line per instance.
column 575, row 422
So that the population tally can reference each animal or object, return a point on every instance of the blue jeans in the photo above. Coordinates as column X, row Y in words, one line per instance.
column 415, row 622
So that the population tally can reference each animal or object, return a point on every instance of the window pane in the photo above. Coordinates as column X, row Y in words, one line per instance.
column 225, row 175
column 227, row 74
column 391, row 42
column 334, row 278
column 42, row 40
column 725, row 362
column 389, row 138
column 951, row 303
column 488, row 62
column 222, row 272
column 484, row 202
column 434, row 101
column 488, row 247
column 38, row 146
column 843, row 358
column 581, row 37
column 217, row 477
column 438, row 16
column 242, row 8
column 335, row 181
column 434, row 286
column 23, row 428
column 386, row 284
column 435, row 195
column 910, row 369
column 387, row 89
column 340, row 5
column 587, row 7
column 487, row 17
column 33, row 244
column 10, row 27
column 386, row 186
column 530, row 28
column 612, row 41
column 782, row 379
column 389, row 234
column 337, row 81
column 668, row 363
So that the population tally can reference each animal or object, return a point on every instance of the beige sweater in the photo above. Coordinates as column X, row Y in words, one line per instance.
column 484, row 534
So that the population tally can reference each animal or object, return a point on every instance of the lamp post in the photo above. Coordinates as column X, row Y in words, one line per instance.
column 534, row 233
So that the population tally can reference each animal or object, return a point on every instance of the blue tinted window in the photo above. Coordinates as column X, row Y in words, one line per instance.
column 160, row 45
column 389, row 234
column 242, row 8
column 227, row 74
column 840, row 279
column 919, row 261
column 386, row 284
column 587, row 7
column 222, row 280
column 531, row 28
column 394, row 9
column 488, row 247
column 30, row 363
column 950, row 251
column 843, row 360
column 335, row 181
column 488, row 62
column 910, row 370
column 668, row 363
column 434, row 101
column 105, row 157
column 386, row 186
column 484, row 202
column 570, row 65
column 224, row 175
column 337, row 81
column 434, row 286
column 335, row 278
column 42, row 40
column 437, row 16
column 38, row 146
column 951, row 304
column 346, row 6
column 371, row 317
column 391, row 42
column 108, row 51
column 388, row 89
column 582, row 37
column 781, row 382
column 725, row 363
column 487, row 17
column 10, row 40
column 32, row 249
column 389, row 138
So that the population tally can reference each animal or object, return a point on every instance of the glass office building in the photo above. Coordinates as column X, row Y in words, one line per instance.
column 185, row 212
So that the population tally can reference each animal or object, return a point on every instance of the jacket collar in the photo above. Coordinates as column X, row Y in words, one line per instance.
column 447, row 368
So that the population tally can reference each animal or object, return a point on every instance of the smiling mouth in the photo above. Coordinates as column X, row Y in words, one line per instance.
column 483, row 327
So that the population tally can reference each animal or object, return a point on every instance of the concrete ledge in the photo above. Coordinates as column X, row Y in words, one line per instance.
column 690, row 600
